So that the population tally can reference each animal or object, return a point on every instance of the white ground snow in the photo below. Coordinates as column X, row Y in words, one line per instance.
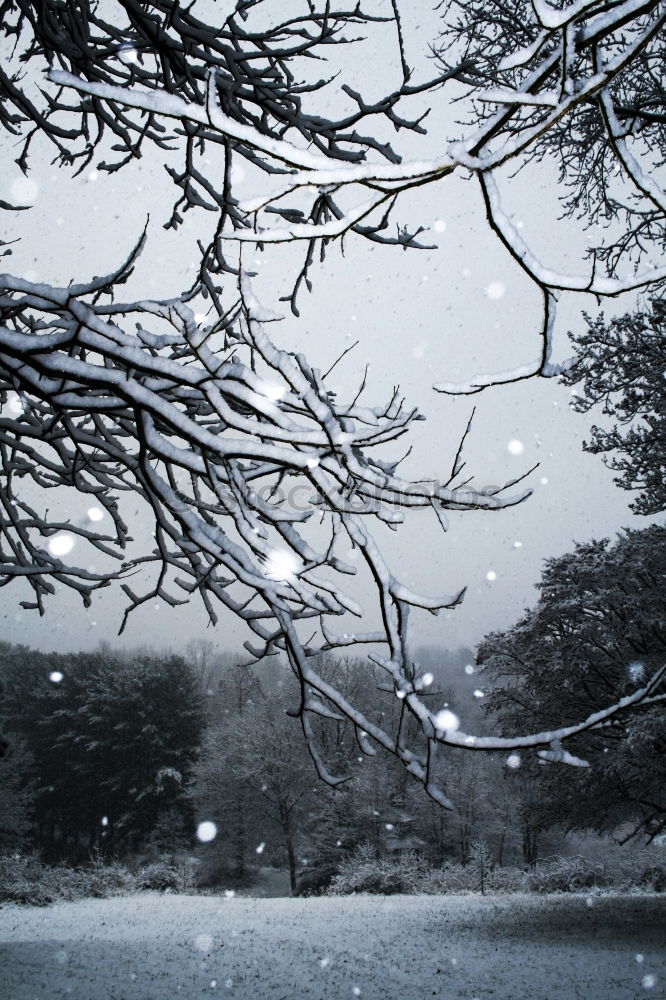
column 157, row 947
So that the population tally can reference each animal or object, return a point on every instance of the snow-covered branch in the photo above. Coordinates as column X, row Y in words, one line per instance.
column 580, row 58
column 211, row 426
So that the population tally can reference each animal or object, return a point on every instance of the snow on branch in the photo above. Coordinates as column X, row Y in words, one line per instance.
column 231, row 443
column 202, row 428
column 572, row 65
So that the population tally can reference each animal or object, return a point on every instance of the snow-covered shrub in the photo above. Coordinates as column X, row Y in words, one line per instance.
column 507, row 880
column 25, row 879
column 643, row 869
column 451, row 877
column 385, row 876
column 164, row 875
column 22, row 880
column 567, row 875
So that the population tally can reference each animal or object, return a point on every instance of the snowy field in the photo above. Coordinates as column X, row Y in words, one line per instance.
column 155, row 947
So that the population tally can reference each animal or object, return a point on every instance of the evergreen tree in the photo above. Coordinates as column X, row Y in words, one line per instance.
column 621, row 365
column 596, row 634
column 112, row 739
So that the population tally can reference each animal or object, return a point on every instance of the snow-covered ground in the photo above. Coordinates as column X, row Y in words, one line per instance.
column 156, row 947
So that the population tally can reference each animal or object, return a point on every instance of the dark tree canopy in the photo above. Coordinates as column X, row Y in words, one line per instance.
column 597, row 630
column 620, row 364
column 112, row 739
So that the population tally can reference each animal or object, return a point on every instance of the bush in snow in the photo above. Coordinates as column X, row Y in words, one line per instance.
column 451, row 877
column 24, row 879
column 363, row 872
column 567, row 875
column 507, row 880
column 164, row 875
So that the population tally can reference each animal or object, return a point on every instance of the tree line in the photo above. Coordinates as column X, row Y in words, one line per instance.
column 128, row 753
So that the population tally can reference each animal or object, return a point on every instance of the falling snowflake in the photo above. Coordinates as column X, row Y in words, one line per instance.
column 206, row 831
column 469, row 669
column 324, row 962
column 544, row 480
column 260, row 848
column 495, row 290
column 517, row 545
column 515, row 447
column 203, row 942
column 649, row 981
column 281, row 565
column 491, row 575
column 23, row 190
column 447, row 720
column 95, row 514
column 427, row 680
column 636, row 670
column 513, row 761
column 61, row 544
column 229, row 893
column 55, row 676
column 478, row 693
column 439, row 226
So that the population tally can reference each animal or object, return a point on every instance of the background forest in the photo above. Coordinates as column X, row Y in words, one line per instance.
column 194, row 759
column 158, row 426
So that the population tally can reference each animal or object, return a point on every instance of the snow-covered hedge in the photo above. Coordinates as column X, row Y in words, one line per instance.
column 579, row 873
column 363, row 872
column 410, row 874
column 25, row 879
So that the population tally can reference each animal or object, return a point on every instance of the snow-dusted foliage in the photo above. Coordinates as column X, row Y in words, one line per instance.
column 620, row 364
column 203, row 421
column 595, row 633
column 364, row 872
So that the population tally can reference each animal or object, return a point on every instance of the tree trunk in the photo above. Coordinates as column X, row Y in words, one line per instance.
column 285, row 819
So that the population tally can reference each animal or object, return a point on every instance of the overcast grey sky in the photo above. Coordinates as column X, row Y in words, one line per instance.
column 420, row 317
